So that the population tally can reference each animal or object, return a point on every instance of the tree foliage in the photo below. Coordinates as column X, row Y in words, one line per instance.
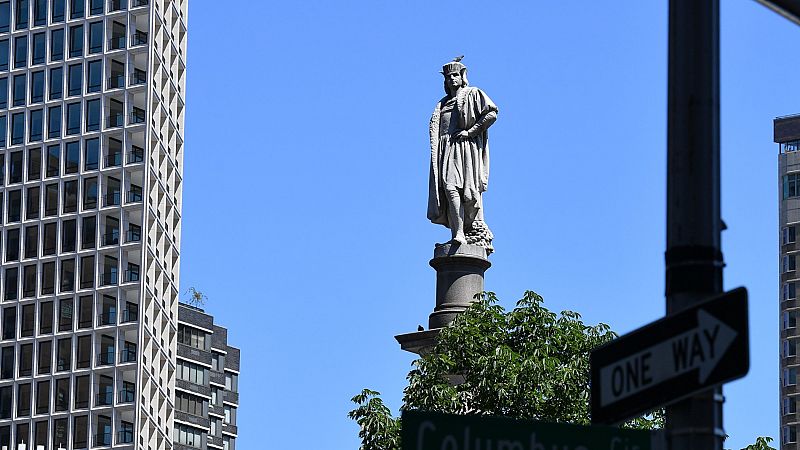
column 527, row 363
column 762, row 443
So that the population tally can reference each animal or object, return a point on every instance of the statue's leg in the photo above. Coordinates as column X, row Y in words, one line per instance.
column 455, row 214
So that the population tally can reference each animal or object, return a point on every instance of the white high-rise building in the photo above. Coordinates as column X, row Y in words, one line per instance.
column 91, row 158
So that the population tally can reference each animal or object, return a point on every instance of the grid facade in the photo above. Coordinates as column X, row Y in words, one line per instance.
column 787, row 135
column 207, row 390
column 91, row 155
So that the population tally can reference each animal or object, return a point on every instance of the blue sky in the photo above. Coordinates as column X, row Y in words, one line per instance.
column 306, row 180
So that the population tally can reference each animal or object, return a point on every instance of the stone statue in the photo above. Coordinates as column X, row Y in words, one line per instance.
column 459, row 171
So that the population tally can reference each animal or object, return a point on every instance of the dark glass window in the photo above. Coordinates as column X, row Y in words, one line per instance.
column 5, row 17
column 9, row 323
column 62, row 399
column 15, row 168
column 12, row 244
column 49, row 241
column 21, row 14
column 43, row 363
column 36, row 126
column 11, row 283
column 20, row 52
column 85, row 313
column 32, row 204
column 48, row 276
column 80, row 432
column 118, row 34
column 28, row 320
column 84, row 354
column 68, row 236
column 64, row 355
column 34, row 164
column 88, row 232
column 59, row 432
column 67, row 280
column 791, row 185
column 51, row 200
column 96, row 37
column 19, row 90
column 70, row 197
column 3, row 124
column 96, row 7
column 17, row 128
column 94, row 76
column 24, row 400
column 73, row 118
column 82, row 390
column 57, row 45
column 32, row 240
column 3, row 93
column 4, row 54
column 6, row 394
column 37, row 87
column 23, row 433
column 54, row 122
column 58, row 11
column 14, row 206
column 75, row 41
column 90, row 193
column 116, row 113
column 92, row 152
column 65, row 310
column 56, row 83
column 7, row 363
column 72, row 157
column 117, row 78
column 53, row 160
column 46, row 318
column 76, row 9
column 42, row 403
column 29, row 287
column 93, row 115
column 87, row 273
column 39, row 13
column 75, row 80
column 25, row 360
column 39, row 46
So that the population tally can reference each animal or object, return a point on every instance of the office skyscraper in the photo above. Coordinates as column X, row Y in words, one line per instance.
column 787, row 135
column 207, row 391
column 91, row 150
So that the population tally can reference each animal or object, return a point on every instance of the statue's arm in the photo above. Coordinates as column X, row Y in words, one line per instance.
column 482, row 124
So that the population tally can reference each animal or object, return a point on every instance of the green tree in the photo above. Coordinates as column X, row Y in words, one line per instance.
column 526, row 363
column 762, row 443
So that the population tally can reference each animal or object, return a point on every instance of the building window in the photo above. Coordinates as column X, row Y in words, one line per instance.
column 39, row 48
column 91, row 154
column 93, row 115
column 37, row 87
column 3, row 93
column 4, row 54
column 9, row 323
column 50, row 204
column 90, row 193
column 190, row 404
column 34, row 165
column 24, row 400
column 64, row 355
column 76, row 41
column 46, row 318
column 94, row 76
column 57, row 45
column 72, row 157
column 191, row 337
column 791, row 185
column 80, row 427
column 790, row 376
column 39, row 13
column 11, row 284
column 76, row 9
column 68, row 232
column 15, row 168
column 20, row 52
column 789, row 434
column 25, row 360
column 54, row 122
column 88, row 232
column 82, row 392
column 73, row 118
column 32, row 239
column 96, row 37
column 789, row 348
column 36, row 126
column 75, row 80
column 67, row 277
column 58, row 11
column 53, row 161
column 5, row 17
column 189, row 436
column 60, row 433
column 192, row 373
column 788, row 235
column 49, row 268
column 789, row 291
column 789, row 320
column 788, row 263
column 21, row 16
column 45, row 356
column 56, row 83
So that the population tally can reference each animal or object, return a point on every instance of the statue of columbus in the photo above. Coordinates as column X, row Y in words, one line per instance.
column 459, row 172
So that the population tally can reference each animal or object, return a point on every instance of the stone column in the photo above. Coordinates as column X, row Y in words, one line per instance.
column 459, row 276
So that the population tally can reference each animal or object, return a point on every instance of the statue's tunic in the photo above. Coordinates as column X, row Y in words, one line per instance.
column 463, row 165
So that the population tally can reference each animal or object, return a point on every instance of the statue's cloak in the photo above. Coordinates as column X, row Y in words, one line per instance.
column 462, row 164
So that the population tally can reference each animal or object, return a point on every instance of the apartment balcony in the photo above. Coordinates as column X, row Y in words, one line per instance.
column 127, row 355
column 115, row 120
column 230, row 429
column 133, row 236
column 231, row 397
column 111, row 238
column 138, row 3
column 136, row 155
column 102, row 440
column 134, row 197
column 131, row 276
column 138, row 115
column 116, row 81
column 109, row 318
column 125, row 437
column 126, row 396
column 112, row 199
column 129, row 315
column 138, row 38
column 138, row 77
column 116, row 43
column 113, row 160
column 104, row 399
column 109, row 278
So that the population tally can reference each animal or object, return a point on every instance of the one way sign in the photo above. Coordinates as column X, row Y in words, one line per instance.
column 671, row 358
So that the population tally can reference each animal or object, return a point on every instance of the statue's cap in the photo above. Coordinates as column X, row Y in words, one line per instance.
column 454, row 66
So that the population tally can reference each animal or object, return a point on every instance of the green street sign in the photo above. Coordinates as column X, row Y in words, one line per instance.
column 435, row 431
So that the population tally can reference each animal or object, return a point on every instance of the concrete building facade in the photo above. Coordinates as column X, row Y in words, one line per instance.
column 91, row 159
column 207, row 390
column 787, row 135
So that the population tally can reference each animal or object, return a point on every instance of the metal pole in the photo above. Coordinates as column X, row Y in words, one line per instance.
column 693, row 257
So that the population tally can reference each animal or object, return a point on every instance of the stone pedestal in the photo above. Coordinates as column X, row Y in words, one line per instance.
column 459, row 276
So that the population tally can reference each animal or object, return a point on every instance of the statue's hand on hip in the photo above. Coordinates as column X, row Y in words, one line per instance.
column 461, row 135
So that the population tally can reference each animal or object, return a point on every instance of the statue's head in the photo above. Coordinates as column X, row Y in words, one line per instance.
column 455, row 76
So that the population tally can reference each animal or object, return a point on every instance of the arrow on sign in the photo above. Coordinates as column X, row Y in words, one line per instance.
column 699, row 349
